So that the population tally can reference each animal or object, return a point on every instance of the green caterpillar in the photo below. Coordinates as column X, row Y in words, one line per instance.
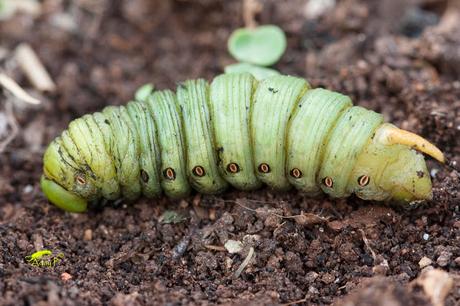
column 239, row 132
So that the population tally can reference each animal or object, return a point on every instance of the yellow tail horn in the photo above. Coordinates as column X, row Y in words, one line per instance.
column 389, row 134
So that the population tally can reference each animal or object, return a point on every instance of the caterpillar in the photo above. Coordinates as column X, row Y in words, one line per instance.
column 236, row 132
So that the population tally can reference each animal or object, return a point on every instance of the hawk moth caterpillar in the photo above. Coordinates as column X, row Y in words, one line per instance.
column 240, row 132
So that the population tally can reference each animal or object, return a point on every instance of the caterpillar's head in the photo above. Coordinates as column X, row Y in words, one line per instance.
column 391, row 168
column 64, row 180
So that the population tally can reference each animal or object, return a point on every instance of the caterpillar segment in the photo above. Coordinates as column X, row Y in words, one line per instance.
column 274, row 101
column 202, row 168
column 163, row 108
column 232, row 98
column 124, row 147
column 239, row 132
column 346, row 141
column 149, row 154
column 316, row 114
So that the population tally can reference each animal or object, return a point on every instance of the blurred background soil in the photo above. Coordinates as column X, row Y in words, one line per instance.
column 400, row 58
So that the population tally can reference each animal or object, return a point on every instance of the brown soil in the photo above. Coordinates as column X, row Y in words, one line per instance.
column 399, row 59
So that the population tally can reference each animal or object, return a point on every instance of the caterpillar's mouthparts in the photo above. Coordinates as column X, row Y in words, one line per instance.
column 388, row 134
column 62, row 198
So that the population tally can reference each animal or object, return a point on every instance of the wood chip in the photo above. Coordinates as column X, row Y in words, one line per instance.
column 33, row 68
column 13, row 87
column 215, row 247
column 8, row 127
column 424, row 262
column 88, row 235
column 437, row 284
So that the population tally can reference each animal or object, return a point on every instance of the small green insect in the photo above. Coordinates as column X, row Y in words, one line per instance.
column 44, row 258
column 235, row 131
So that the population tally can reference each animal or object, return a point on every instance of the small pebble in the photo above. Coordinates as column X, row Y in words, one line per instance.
column 212, row 214
column 228, row 263
column 444, row 259
column 316, row 8
column 251, row 239
column 181, row 247
column 381, row 269
column 426, row 236
column 425, row 261
column 88, row 235
column 233, row 246
column 28, row 189
column 433, row 172
column 65, row 277
column 312, row 290
column 311, row 276
column 457, row 261
column 327, row 278
column 427, row 268
column 64, row 21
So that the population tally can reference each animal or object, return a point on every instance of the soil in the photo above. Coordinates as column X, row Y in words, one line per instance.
column 396, row 57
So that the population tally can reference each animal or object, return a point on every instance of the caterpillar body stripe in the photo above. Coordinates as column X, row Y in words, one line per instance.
column 235, row 131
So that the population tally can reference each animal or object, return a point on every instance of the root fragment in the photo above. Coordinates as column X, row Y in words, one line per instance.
column 244, row 263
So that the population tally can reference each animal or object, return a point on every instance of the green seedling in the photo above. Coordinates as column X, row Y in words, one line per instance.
column 263, row 45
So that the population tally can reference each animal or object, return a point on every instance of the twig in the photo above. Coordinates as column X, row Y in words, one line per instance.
column 250, row 9
column 244, row 263
column 366, row 242
column 296, row 217
column 14, row 127
column 33, row 68
column 13, row 87
column 296, row 302
column 215, row 248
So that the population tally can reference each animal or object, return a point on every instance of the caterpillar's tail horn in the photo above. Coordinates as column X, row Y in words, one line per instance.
column 389, row 134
